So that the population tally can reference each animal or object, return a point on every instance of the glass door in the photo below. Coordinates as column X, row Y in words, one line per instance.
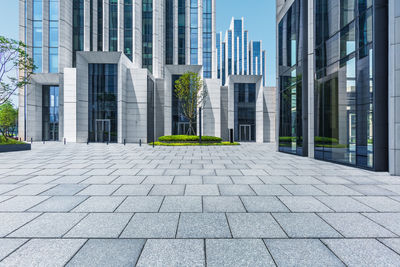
column 103, row 128
column 245, row 133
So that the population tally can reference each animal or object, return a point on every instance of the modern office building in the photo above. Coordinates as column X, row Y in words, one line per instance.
column 338, row 95
column 107, row 68
column 237, row 55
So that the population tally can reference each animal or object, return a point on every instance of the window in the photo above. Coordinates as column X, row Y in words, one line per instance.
column 128, row 29
column 38, row 34
column 147, row 34
column 53, row 36
column 207, row 38
column 113, row 25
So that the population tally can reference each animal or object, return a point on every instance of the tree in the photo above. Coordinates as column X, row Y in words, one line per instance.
column 190, row 91
column 16, row 67
column 8, row 119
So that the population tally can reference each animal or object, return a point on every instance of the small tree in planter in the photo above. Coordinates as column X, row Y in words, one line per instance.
column 8, row 119
column 192, row 94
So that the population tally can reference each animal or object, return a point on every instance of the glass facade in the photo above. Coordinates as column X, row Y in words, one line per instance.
column 245, row 42
column 53, row 36
column 128, row 28
column 50, row 113
column 150, row 110
column 245, row 112
column 207, row 38
column 37, row 46
column 194, row 32
column 113, row 25
column 181, row 32
column 238, row 39
column 223, row 51
column 103, row 103
column 169, row 32
column 77, row 28
column 263, row 66
column 147, row 34
column 218, row 43
column 290, row 47
column 344, row 124
column 99, row 25
column 229, row 52
column 256, row 60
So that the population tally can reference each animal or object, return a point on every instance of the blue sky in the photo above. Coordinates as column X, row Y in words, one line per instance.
column 259, row 16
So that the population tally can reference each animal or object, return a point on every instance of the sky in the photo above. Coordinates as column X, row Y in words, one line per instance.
column 259, row 20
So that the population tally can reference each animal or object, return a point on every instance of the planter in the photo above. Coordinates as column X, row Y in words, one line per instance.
column 14, row 147
column 191, row 142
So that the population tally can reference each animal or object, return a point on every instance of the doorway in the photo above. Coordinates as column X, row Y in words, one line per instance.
column 103, row 129
column 245, row 133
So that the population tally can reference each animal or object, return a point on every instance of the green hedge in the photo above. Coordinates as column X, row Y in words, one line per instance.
column 10, row 141
column 188, row 138
column 194, row 144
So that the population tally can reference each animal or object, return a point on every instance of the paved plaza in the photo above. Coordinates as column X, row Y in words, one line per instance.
column 248, row 205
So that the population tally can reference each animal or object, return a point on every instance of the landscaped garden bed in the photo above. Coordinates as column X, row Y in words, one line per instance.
column 10, row 145
column 191, row 140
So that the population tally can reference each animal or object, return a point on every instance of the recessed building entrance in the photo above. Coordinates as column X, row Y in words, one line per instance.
column 103, row 130
column 245, row 133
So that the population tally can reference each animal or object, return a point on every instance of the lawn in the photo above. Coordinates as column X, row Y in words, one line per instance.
column 191, row 140
column 9, row 141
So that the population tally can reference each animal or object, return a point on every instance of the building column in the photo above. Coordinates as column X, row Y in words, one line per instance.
column 310, row 88
column 137, row 33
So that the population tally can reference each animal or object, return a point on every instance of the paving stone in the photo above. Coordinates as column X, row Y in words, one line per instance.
column 70, row 179
column 158, row 180
column 188, row 180
column 152, row 225
column 36, row 252
column 222, row 204
column 304, row 204
column 177, row 172
column 362, row 252
column 228, row 172
column 392, row 188
column 99, row 179
column 200, row 190
column 100, row 172
column 108, row 252
column 100, row 225
column 49, row 225
column 305, row 225
column 4, row 198
column 202, row 172
column 182, row 204
column 99, row 204
column 30, row 190
column 128, row 172
column 251, row 180
column 168, row 190
column 380, row 203
column 267, row 179
column 59, row 204
column 217, row 180
column 41, row 179
column 203, row 225
column 393, row 243
column 141, row 204
column 153, row 172
column 7, row 246
column 263, row 204
column 129, row 180
column 4, row 188
column 236, row 190
column 237, row 252
column 172, row 252
column 297, row 252
column 133, row 190
column 333, row 180
column 254, row 225
column 344, row 204
column 355, row 225
column 337, row 190
column 372, row 190
column 64, row 190
column 270, row 190
column 304, row 180
column 390, row 221
column 99, row 190
column 304, row 190
column 11, row 221
column 21, row 203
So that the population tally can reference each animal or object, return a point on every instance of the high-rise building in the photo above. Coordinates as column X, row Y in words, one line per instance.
column 337, row 81
column 238, row 55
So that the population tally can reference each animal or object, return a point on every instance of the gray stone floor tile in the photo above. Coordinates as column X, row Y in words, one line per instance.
column 337, row 190
column 170, row 252
column 100, row 172
column 355, row 225
column 30, row 190
column 251, row 180
column 304, row 190
column 64, row 190
column 263, row 204
column 248, row 172
column 202, row 172
column 4, row 198
column 372, row 190
column 167, row 190
column 217, row 180
column 41, row 179
column 277, row 180
column 236, row 190
column 344, row 204
column 99, row 190
column 182, row 204
column 108, row 252
column 393, row 188
column 152, row 172
column 152, row 225
column 99, row 179
column 270, row 190
column 21, row 203
column 99, row 204
column 4, row 188
column 128, row 172
column 177, row 172
column 49, row 225
column 141, row 204
column 129, row 180
column 203, row 225
column 36, row 252
column 158, row 180
column 298, row 252
column 305, row 225
column 393, row 243
column 304, row 204
column 333, row 180
column 70, row 179
column 7, row 246
column 362, row 252
column 390, row 221
column 237, row 252
column 380, row 203
column 202, row 190
column 222, row 204
column 304, row 180
column 188, row 180
column 100, row 225
column 133, row 190
column 254, row 225
column 11, row 221
column 228, row 172
column 59, row 204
